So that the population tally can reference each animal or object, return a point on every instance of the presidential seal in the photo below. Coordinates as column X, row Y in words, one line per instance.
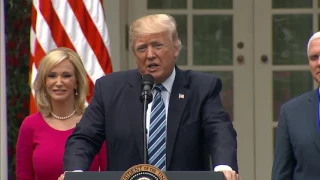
column 144, row 172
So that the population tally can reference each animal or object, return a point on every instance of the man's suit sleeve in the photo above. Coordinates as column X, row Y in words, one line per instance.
column 86, row 140
column 284, row 161
column 220, row 136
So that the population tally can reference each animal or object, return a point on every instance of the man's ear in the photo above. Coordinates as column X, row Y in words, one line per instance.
column 176, row 53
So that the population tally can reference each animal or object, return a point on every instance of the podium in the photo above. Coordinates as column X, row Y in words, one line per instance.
column 171, row 175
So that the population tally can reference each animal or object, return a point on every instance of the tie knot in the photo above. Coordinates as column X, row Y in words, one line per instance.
column 159, row 88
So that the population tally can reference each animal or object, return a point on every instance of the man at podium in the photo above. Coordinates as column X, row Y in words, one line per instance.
column 186, row 123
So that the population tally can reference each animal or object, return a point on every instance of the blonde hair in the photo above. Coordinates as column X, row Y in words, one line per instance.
column 152, row 24
column 313, row 37
column 47, row 63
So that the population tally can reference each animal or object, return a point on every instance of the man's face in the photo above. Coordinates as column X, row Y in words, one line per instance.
column 314, row 59
column 155, row 54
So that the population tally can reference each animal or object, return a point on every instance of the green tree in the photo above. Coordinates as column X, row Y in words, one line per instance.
column 17, row 30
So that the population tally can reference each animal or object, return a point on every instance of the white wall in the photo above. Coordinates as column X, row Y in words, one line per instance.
column 116, row 18
column 3, row 104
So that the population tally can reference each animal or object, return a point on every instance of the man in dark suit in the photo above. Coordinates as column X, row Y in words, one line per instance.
column 297, row 149
column 186, row 121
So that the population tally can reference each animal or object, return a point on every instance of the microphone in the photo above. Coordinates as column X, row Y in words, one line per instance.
column 147, row 85
column 146, row 98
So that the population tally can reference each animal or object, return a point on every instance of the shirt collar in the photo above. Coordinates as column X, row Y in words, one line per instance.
column 169, row 82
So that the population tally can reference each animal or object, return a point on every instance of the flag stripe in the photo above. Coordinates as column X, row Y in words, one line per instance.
column 33, row 107
column 33, row 18
column 39, row 53
column 58, row 34
column 93, row 36
column 33, row 44
column 90, row 86
column 43, row 31
column 36, row 51
column 96, row 13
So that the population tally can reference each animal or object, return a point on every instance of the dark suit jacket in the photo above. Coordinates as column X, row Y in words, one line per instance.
column 197, row 125
column 297, row 150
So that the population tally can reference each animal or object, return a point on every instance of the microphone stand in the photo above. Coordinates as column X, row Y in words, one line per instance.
column 147, row 98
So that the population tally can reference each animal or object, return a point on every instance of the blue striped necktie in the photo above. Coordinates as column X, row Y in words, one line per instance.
column 157, row 131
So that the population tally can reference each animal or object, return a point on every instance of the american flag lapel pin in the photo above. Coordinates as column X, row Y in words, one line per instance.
column 181, row 96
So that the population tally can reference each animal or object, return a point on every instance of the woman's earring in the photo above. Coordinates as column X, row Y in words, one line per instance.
column 76, row 92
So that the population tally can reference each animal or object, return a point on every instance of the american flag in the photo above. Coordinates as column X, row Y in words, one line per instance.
column 77, row 24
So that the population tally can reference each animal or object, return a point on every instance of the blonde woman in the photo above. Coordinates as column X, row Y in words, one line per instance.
column 60, row 92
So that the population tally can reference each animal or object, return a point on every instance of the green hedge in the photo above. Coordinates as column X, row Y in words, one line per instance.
column 17, row 30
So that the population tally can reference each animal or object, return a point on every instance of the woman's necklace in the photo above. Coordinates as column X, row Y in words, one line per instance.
column 65, row 117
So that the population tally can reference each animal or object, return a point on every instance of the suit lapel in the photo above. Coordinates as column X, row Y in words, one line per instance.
column 178, row 98
column 312, row 112
column 134, row 108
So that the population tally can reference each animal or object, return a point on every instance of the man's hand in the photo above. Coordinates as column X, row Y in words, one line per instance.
column 61, row 177
column 229, row 175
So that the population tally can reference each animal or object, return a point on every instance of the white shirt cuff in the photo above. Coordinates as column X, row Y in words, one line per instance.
column 77, row 171
column 222, row 168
